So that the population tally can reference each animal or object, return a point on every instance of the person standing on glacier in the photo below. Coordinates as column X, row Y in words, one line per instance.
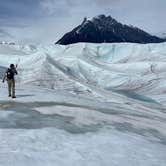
column 9, row 76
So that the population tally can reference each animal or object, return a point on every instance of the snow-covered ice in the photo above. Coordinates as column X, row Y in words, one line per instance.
column 84, row 104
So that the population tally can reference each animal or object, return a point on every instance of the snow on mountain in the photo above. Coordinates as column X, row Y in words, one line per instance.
column 84, row 104
column 161, row 35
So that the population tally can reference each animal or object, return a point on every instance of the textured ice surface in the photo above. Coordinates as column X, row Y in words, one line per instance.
column 84, row 104
column 92, row 69
column 54, row 147
column 57, row 128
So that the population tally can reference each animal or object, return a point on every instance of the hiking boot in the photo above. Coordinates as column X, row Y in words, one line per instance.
column 13, row 96
column 9, row 96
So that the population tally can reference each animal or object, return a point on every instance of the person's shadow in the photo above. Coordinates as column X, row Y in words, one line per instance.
column 19, row 96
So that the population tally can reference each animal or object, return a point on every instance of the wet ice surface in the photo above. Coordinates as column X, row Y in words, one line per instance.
column 64, row 129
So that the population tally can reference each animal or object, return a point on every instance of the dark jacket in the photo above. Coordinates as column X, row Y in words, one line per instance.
column 9, row 74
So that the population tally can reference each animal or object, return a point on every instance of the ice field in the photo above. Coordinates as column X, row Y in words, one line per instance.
column 84, row 104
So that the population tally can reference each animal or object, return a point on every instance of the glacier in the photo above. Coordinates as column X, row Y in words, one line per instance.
column 84, row 104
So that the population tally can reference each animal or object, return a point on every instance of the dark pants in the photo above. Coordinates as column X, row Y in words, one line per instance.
column 11, row 87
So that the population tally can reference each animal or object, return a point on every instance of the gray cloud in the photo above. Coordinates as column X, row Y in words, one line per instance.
column 48, row 20
column 4, row 33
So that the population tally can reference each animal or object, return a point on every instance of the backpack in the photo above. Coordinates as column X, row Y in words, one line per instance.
column 10, row 74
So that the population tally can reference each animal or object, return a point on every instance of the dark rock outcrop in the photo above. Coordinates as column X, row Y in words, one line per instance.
column 104, row 29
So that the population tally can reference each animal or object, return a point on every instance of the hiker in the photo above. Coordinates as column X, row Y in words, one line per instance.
column 9, row 76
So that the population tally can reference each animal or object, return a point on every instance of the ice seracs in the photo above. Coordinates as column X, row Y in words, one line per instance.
column 133, row 67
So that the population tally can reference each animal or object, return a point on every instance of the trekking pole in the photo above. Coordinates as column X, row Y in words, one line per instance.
column 17, row 63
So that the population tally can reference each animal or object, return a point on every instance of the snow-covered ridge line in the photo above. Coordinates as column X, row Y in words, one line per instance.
column 91, row 68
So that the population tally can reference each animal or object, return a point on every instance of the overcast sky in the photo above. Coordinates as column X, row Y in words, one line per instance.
column 45, row 21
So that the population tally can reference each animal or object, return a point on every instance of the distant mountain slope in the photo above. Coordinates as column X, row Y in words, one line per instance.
column 103, row 29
